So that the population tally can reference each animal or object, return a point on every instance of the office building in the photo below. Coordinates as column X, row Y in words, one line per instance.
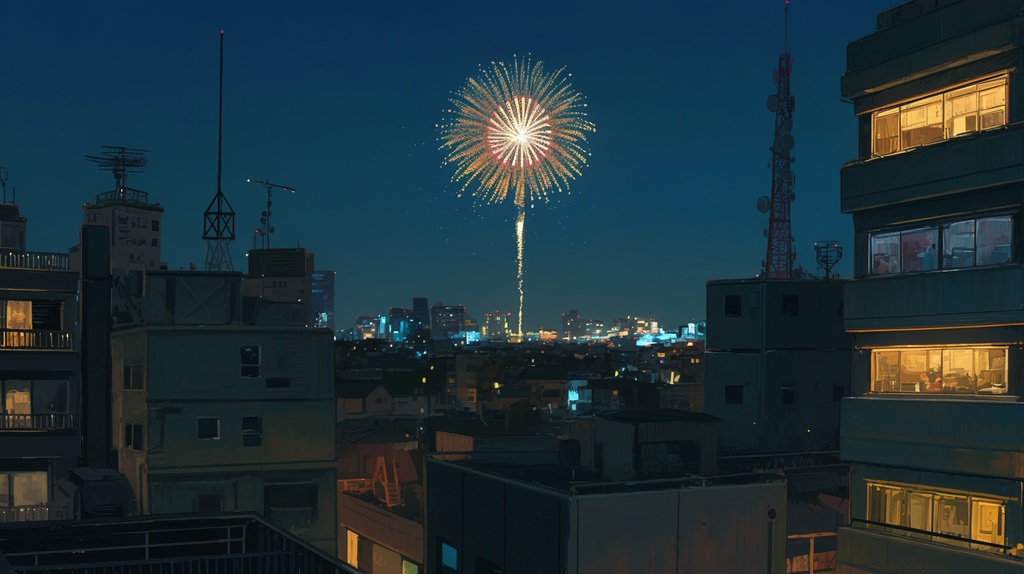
column 935, row 309
column 322, row 299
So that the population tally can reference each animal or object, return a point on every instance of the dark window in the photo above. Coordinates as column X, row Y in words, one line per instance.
column 46, row 315
column 838, row 392
column 205, row 503
column 156, row 225
column 484, row 566
column 791, row 305
column 133, row 437
column 250, row 360
column 734, row 394
column 252, row 431
column 842, row 311
column 733, row 305
column 278, row 382
column 207, row 428
column 290, row 505
column 154, row 242
column 133, row 377
column 788, row 395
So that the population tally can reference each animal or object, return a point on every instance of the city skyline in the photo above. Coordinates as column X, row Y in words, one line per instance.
column 341, row 104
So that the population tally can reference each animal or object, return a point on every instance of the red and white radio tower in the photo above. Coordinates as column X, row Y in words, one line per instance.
column 779, row 262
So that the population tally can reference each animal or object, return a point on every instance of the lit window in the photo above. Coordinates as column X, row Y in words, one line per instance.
column 18, row 315
column 935, row 118
column 964, row 370
column 966, row 516
column 24, row 488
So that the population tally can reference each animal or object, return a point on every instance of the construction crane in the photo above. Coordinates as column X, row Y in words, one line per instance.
column 265, row 217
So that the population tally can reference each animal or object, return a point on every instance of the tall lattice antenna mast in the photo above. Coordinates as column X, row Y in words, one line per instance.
column 778, row 263
column 219, row 217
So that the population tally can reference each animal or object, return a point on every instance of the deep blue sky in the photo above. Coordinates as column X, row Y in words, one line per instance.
column 340, row 100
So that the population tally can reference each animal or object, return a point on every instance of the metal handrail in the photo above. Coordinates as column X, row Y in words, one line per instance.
column 35, row 260
column 36, row 339
column 45, row 421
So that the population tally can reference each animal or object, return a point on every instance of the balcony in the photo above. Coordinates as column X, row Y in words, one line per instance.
column 863, row 548
column 18, row 339
column 980, row 160
column 963, row 436
column 34, row 513
column 49, row 421
column 953, row 298
column 33, row 260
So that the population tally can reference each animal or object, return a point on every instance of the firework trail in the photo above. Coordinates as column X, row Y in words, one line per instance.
column 516, row 130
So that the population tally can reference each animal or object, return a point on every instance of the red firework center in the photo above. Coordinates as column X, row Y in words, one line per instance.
column 519, row 132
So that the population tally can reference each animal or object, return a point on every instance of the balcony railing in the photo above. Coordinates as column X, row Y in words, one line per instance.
column 50, row 421
column 10, row 259
column 25, row 339
column 33, row 513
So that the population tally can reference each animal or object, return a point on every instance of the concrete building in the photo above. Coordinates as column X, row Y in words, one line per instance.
column 278, row 288
column 134, row 225
column 39, row 375
column 211, row 415
column 777, row 363
column 932, row 432
column 570, row 509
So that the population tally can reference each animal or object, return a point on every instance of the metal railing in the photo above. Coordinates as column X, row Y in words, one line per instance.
column 25, row 339
column 224, row 543
column 940, row 537
column 31, row 513
column 35, row 260
column 44, row 421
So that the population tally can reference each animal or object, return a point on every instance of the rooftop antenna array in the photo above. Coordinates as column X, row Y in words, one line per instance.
column 265, row 217
column 828, row 253
column 219, row 217
column 3, row 183
column 121, row 161
column 778, row 263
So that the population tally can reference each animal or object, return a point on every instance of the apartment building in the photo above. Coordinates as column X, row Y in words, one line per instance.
column 936, row 308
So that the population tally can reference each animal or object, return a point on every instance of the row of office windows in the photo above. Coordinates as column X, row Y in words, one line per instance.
column 977, row 370
column 966, row 516
column 207, row 428
column 966, row 243
column 978, row 106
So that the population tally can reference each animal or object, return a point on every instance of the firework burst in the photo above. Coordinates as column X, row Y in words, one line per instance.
column 516, row 130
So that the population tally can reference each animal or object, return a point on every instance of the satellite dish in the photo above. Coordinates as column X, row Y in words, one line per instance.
column 792, row 102
column 271, row 230
column 787, row 142
column 763, row 203
column 792, row 196
column 773, row 103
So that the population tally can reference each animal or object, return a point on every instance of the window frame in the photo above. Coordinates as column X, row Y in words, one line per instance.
column 916, row 119
column 216, row 435
column 889, row 250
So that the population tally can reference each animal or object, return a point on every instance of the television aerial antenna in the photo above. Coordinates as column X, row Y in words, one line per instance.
column 265, row 217
column 828, row 253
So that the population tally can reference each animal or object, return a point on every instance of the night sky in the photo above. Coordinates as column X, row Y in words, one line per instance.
column 340, row 101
